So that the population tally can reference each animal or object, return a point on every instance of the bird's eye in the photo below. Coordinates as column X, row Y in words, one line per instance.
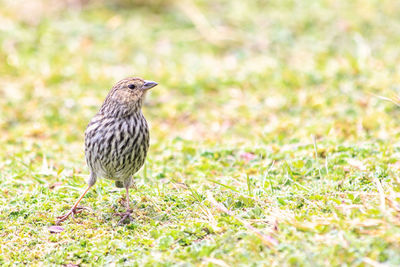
column 131, row 86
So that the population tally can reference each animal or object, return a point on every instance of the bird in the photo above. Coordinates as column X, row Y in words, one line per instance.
column 117, row 140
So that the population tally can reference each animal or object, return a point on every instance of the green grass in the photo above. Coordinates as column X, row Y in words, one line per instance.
column 268, row 109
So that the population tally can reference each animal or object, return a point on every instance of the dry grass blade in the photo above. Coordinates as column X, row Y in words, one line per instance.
column 267, row 240
column 381, row 194
column 386, row 99
column 201, row 23
column 373, row 263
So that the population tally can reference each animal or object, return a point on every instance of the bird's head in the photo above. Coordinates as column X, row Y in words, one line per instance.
column 126, row 97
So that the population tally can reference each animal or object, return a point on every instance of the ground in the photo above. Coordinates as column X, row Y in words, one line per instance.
column 274, row 132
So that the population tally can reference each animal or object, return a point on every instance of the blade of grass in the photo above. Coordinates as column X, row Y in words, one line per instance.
column 267, row 240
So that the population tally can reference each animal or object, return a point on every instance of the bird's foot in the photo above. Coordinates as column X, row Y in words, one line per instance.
column 71, row 213
column 125, row 216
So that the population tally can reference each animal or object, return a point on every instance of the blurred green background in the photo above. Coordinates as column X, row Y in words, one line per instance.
column 279, row 108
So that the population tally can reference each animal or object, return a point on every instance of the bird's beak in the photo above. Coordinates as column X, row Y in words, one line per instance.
column 149, row 84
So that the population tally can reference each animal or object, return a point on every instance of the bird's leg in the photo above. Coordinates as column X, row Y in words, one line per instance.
column 127, row 198
column 75, row 208
column 125, row 215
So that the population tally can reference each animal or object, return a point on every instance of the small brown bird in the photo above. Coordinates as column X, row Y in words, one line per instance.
column 117, row 139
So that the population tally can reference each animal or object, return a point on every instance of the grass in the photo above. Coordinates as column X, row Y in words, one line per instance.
column 271, row 142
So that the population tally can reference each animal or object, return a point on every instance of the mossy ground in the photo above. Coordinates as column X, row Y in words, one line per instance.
column 270, row 108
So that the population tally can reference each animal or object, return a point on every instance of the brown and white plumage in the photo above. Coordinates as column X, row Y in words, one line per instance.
column 117, row 137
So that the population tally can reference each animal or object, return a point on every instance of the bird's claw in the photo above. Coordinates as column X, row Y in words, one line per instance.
column 71, row 212
column 125, row 217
